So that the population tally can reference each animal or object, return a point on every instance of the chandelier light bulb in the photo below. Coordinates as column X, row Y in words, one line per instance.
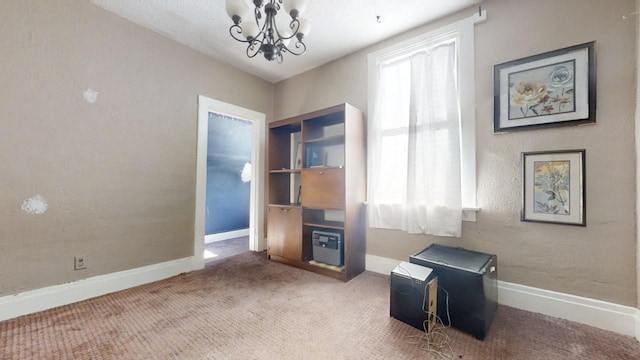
column 304, row 28
column 250, row 30
column 286, row 37
column 238, row 10
column 295, row 7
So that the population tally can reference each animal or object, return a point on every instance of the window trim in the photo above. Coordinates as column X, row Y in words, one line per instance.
column 464, row 31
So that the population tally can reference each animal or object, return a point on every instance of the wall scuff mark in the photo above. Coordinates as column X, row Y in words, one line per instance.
column 35, row 205
column 90, row 96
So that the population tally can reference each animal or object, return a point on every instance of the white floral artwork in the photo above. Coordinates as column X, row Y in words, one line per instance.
column 542, row 91
column 557, row 88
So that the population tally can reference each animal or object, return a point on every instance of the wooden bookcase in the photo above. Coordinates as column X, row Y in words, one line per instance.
column 317, row 182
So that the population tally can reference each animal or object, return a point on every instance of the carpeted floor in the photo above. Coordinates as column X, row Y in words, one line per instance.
column 246, row 307
column 219, row 250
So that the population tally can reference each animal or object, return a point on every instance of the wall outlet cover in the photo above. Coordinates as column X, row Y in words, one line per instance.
column 79, row 263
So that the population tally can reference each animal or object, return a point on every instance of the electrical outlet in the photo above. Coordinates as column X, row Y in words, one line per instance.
column 79, row 263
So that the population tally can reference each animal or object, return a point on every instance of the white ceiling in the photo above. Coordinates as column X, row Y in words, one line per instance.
column 338, row 28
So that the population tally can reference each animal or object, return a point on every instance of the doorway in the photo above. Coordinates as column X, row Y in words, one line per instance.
column 256, row 202
column 228, row 187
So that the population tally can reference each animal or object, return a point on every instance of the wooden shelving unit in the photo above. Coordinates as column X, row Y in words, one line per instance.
column 326, row 193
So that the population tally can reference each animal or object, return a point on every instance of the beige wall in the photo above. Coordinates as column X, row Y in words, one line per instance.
column 597, row 261
column 118, row 174
column 637, row 134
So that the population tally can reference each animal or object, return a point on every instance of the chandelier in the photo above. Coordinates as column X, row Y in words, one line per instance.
column 265, row 37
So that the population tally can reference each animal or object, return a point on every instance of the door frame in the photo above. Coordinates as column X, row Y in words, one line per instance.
column 257, row 241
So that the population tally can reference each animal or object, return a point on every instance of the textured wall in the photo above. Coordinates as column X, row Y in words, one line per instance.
column 637, row 134
column 597, row 261
column 118, row 173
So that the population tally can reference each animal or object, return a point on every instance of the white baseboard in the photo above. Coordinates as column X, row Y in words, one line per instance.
column 208, row 239
column 608, row 316
column 604, row 315
column 380, row 265
column 601, row 314
column 638, row 325
column 32, row 301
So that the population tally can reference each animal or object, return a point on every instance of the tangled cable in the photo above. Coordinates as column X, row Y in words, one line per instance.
column 435, row 341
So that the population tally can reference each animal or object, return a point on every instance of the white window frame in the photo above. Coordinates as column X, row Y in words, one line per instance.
column 464, row 31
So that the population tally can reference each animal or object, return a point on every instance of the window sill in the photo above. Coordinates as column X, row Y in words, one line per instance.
column 469, row 214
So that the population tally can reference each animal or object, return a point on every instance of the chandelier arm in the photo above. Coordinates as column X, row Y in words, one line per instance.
column 298, row 45
column 295, row 27
column 253, row 48
column 238, row 32
column 258, row 14
column 295, row 24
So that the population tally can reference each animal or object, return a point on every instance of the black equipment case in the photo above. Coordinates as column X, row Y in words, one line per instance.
column 470, row 279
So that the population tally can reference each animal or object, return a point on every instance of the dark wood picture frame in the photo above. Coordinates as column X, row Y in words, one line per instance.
column 552, row 89
column 554, row 187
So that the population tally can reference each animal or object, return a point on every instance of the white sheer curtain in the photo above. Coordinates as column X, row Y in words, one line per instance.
column 414, row 144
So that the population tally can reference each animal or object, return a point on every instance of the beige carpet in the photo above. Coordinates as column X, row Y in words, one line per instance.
column 246, row 307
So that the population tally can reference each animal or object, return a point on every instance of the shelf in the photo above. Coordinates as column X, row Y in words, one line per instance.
column 323, row 218
column 286, row 126
column 329, row 140
column 327, row 270
column 284, row 186
column 325, row 152
column 325, row 197
column 285, row 171
column 290, row 205
column 326, row 126
column 320, row 167
column 327, row 225
column 339, row 269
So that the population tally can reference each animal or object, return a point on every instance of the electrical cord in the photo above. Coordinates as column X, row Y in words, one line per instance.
column 436, row 341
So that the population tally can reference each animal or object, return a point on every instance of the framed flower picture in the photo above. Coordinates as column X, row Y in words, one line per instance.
column 553, row 187
column 556, row 88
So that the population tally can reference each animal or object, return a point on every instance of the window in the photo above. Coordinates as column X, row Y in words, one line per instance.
column 421, row 152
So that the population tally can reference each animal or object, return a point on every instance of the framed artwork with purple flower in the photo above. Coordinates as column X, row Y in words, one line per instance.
column 553, row 187
column 556, row 88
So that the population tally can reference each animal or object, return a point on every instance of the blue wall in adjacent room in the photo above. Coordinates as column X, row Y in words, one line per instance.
column 228, row 150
